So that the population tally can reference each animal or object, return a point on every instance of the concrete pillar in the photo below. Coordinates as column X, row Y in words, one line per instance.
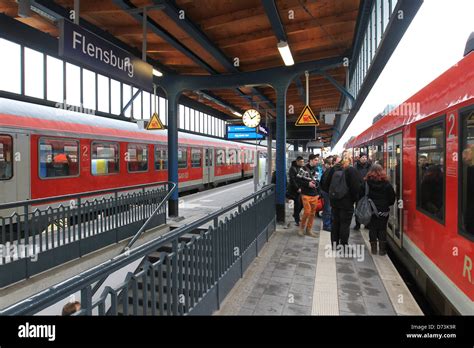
column 173, row 150
column 280, row 151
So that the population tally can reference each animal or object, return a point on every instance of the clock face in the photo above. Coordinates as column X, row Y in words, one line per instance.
column 251, row 118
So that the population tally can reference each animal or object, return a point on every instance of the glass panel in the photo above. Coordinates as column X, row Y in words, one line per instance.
column 161, row 157
column 467, row 174
column 73, row 85
column 103, row 97
column 386, row 13
column 34, row 73
column 6, row 157
column 182, row 157
column 162, row 112
column 54, row 79
column 196, row 158
column 58, row 158
column 10, row 66
column 126, row 96
column 192, row 118
column 88, row 84
column 181, row 117
column 137, row 157
column 137, row 104
column 105, row 158
column 430, row 159
column 115, row 102
column 146, row 106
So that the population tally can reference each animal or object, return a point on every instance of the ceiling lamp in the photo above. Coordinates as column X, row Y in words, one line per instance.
column 285, row 53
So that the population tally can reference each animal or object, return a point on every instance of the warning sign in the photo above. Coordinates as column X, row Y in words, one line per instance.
column 155, row 123
column 307, row 118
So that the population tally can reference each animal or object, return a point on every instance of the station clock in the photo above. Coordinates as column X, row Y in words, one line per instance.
column 251, row 118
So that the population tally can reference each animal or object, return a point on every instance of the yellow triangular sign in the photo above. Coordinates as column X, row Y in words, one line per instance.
column 155, row 123
column 307, row 118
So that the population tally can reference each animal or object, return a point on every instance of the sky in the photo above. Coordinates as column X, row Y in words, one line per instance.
column 433, row 43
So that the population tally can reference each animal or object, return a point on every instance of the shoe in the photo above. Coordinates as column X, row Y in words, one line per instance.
column 297, row 223
column 382, row 248
column 311, row 234
column 356, row 227
column 373, row 248
column 300, row 232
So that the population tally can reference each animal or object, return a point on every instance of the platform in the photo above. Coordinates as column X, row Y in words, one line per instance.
column 296, row 275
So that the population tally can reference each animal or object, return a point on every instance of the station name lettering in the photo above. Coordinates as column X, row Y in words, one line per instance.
column 106, row 56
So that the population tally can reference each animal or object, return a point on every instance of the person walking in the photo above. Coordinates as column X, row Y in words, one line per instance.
column 328, row 164
column 381, row 192
column 307, row 181
column 362, row 166
column 294, row 190
column 344, row 185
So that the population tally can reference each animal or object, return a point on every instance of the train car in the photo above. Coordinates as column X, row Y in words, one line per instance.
column 426, row 145
column 47, row 152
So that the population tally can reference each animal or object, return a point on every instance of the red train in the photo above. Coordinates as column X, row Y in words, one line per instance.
column 427, row 147
column 46, row 152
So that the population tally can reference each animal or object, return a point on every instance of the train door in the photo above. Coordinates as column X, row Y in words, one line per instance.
column 14, row 169
column 208, row 169
column 395, row 171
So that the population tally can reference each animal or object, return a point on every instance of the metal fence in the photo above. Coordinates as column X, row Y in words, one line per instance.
column 43, row 233
column 186, row 271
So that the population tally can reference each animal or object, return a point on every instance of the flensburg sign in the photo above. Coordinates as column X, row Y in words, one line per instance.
column 85, row 48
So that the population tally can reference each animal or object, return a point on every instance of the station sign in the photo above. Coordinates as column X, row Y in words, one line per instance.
column 241, row 132
column 307, row 118
column 80, row 46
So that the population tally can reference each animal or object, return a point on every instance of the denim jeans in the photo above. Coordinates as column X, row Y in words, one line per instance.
column 326, row 212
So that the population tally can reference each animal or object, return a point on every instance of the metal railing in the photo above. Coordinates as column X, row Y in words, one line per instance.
column 40, row 234
column 186, row 271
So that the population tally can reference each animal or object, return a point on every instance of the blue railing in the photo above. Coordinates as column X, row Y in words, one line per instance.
column 43, row 233
column 186, row 271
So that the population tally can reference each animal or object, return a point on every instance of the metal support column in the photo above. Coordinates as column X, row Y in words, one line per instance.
column 280, row 152
column 269, row 155
column 173, row 98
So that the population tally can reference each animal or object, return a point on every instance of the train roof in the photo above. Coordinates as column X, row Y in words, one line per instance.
column 18, row 114
column 453, row 87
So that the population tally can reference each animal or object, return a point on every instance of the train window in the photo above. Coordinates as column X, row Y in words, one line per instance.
column 196, row 158
column 6, row 157
column 137, row 158
column 161, row 157
column 467, row 172
column 431, row 170
column 105, row 158
column 182, row 158
column 58, row 158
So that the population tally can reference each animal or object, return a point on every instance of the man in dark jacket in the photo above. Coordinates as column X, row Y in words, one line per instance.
column 362, row 166
column 307, row 180
column 328, row 164
column 343, row 208
column 294, row 190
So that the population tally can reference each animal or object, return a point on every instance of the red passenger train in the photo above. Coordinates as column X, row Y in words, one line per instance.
column 47, row 152
column 427, row 147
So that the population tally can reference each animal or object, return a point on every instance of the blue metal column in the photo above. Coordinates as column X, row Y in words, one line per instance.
column 280, row 151
column 173, row 149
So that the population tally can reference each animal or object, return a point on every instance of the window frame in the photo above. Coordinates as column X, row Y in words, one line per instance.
column 78, row 158
column 13, row 155
column 185, row 148
column 200, row 158
column 439, row 120
column 147, row 159
column 163, row 147
column 461, row 133
column 118, row 151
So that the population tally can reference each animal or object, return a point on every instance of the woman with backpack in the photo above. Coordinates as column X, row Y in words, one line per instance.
column 382, row 194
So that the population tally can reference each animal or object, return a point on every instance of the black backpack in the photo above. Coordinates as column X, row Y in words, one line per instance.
column 338, row 188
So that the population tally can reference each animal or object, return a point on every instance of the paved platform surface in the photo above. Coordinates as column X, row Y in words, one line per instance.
column 296, row 275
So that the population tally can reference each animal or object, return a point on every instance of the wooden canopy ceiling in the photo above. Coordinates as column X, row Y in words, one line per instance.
column 239, row 29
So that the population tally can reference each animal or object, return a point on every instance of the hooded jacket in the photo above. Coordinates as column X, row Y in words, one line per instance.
column 381, row 193
column 293, row 185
